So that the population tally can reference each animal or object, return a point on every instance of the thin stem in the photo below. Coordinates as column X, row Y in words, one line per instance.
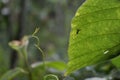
column 42, row 55
column 23, row 55
column 27, row 64
column 38, row 41
column 37, row 46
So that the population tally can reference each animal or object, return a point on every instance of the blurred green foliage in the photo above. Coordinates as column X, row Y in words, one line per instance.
column 53, row 17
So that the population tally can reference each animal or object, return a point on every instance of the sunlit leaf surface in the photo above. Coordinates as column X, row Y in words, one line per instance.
column 95, row 34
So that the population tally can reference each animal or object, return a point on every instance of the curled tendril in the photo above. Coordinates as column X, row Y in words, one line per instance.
column 38, row 43
column 42, row 54
column 50, row 77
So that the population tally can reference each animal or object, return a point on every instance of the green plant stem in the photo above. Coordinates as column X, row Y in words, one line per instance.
column 27, row 63
column 37, row 46
column 24, row 52
column 42, row 55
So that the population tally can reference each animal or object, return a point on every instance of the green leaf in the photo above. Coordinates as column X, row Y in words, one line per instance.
column 58, row 65
column 95, row 34
column 12, row 73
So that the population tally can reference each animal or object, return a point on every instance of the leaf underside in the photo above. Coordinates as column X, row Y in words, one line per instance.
column 95, row 34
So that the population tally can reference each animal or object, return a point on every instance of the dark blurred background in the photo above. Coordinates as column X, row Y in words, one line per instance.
column 21, row 17
column 53, row 17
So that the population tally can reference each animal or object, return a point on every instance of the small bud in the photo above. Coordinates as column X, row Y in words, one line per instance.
column 17, row 45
